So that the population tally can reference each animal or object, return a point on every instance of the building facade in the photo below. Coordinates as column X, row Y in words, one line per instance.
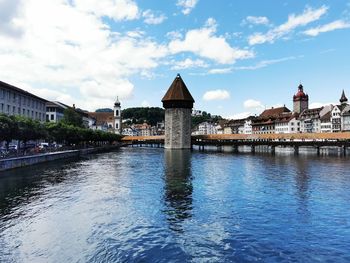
column 15, row 101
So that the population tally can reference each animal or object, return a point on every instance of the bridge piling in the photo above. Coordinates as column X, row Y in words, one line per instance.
column 273, row 149
column 296, row 149
column 318, row 149
column 252, row 148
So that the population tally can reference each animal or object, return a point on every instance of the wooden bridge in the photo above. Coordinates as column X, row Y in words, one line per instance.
column 294, row 140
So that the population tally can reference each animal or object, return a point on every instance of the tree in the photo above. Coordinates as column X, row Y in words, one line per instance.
column 8, row 128
column 71, row 117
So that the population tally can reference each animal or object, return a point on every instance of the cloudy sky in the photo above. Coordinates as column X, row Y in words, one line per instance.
column 236, row 57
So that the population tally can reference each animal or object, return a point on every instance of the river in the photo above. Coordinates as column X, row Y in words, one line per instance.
column 156, row 205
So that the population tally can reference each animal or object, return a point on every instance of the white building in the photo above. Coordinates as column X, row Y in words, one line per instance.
column 336, row 118
column 55, row 111
column 205, row 128
column 247, row 128
column 129, row 132
column 287, row 123
column 310, row 121
column 15, row 101
column 345, row 118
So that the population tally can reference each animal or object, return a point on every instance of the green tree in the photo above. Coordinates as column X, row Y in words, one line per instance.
column 71, row 117
column 8, row 128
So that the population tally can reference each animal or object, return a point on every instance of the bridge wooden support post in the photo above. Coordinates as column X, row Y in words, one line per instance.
column 344, row 150
column 219, row 148
column 252, row 148
column 235, row 148
column 273, row 149
column 296, row 150
column 318, row 149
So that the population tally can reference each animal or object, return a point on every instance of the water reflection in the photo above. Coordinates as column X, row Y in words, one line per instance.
column 302, row 181
column 178, row 187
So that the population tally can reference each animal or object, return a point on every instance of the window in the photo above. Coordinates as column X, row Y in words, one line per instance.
column 116, row 125
column 117, row 113
column 2, row 107
column 52, row 117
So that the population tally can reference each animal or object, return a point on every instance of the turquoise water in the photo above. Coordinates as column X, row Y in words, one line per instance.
column 153, row 205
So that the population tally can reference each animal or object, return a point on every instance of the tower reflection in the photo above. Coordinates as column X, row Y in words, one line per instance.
column 178, row 188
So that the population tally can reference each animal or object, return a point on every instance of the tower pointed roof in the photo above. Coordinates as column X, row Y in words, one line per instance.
column 343, row 98
column 178, row 96
column 117, row 102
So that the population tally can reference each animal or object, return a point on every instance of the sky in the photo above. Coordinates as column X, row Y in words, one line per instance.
column 236, row 57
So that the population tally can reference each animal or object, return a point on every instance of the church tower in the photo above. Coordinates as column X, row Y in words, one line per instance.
column 178, row 104
column 300, row 100
column 117, row 117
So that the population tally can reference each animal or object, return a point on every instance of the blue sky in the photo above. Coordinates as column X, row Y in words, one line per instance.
column 236, row 57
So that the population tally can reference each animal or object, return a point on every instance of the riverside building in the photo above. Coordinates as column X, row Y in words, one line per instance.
column 15, row 101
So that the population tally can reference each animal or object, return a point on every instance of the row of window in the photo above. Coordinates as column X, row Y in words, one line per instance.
column 21, row 100
column 13, row 110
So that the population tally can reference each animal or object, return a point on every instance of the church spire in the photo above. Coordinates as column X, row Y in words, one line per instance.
column 343, row 99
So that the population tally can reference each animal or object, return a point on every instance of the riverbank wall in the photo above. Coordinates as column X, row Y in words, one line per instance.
column 16, row 162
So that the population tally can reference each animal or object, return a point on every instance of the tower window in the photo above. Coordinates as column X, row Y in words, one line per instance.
column 117, row 113
column 116, row 125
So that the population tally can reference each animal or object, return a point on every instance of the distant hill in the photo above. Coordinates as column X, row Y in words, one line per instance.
column 151, row 115
column 104, row 110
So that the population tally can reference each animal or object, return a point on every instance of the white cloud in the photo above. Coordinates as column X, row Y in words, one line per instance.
column 253, row 104
column 145, row 103
column 218, row 94
column 220, row 70
column 187, row 5
column 152, row 18
column 338, row 24
column 320, row 104
column 265, row 63
column 189, row 63
column 8, row 12
column 78, row 53
column 256, row 20
column 309, row 15
column 115, row 9
column 172, row 35
column 203, row 42
column 241, row 115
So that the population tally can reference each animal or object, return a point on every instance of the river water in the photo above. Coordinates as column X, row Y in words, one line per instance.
column 154, row 205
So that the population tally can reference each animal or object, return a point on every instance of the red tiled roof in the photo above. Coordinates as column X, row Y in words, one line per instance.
column 102, row 117
column 273, row 112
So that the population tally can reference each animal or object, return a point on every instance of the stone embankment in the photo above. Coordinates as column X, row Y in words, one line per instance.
column 11, row 163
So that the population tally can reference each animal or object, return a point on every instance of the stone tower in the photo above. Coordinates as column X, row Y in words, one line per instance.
column 300, row 100
column 117, row 117
column 178, row 104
